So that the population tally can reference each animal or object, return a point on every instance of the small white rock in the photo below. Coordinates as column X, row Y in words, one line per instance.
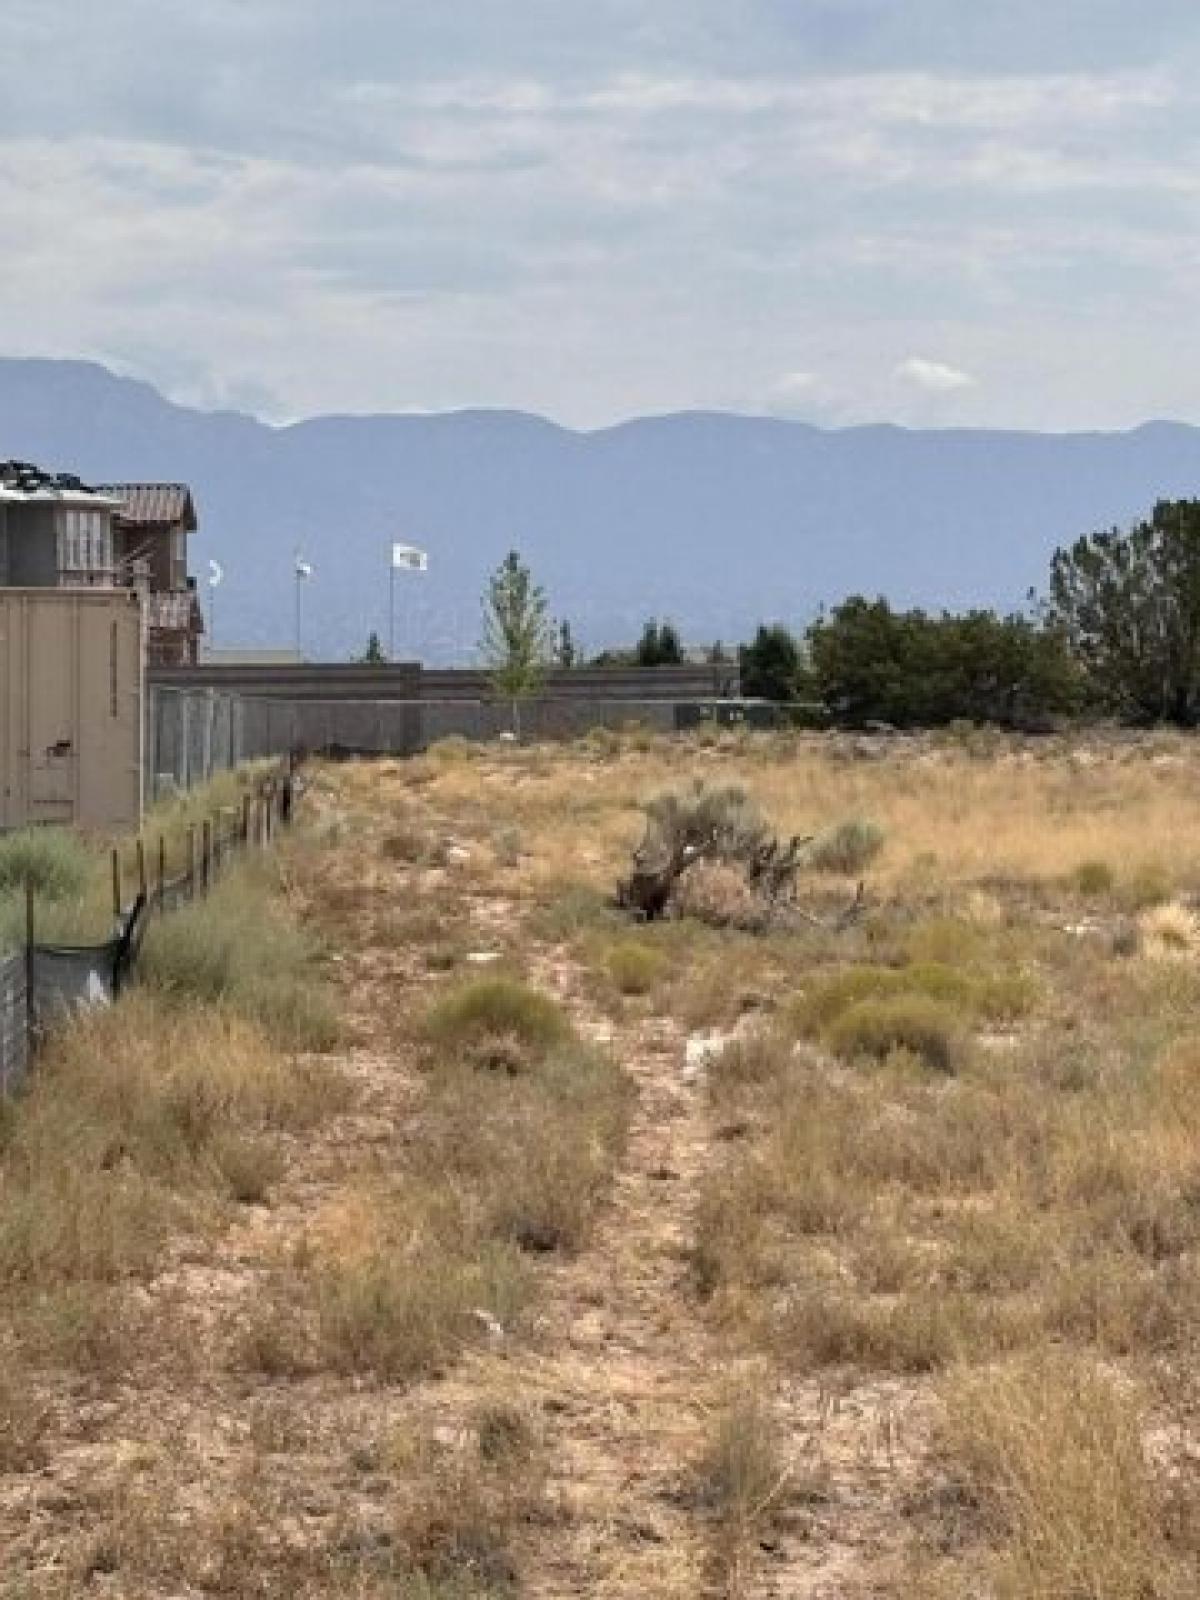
column 700, row 1049
column 490, row 1325
column 483, row 958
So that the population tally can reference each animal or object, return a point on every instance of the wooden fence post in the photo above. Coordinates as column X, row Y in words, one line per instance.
column 162, row 872
column 191, row 860
column 143, row 883
column 116, row 883
column 205, row 855
column 30, row 1001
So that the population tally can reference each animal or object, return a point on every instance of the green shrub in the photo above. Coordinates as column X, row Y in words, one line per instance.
column 238, row 947
column 56, row 862
column 634, row 967
column 578, row 908
column 1093, row 878
column 925, row 1027
column 971, row 996
column 497, row 1007
column 407, row 845
column 847, row 848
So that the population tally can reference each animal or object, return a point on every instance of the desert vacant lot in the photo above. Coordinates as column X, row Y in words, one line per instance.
column 426, row 1229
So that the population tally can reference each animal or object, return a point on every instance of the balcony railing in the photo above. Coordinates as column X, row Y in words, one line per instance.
column 166, row 609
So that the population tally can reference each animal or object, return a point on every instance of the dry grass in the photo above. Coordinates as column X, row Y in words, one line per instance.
column 241, row 949
column 468, row 1502
column 1049, row 1456
column 139, row 1119
column 744, row 1481
column 1011, row 1247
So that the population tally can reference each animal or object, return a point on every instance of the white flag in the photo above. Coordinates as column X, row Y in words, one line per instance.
column 303, row 568
column 215, row 573
column 407, row 558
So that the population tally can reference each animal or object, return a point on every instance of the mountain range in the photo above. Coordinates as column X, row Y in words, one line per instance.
column 715, row 521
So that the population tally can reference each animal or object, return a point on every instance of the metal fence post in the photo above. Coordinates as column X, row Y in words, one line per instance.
column 205, row 855
column 116, row 883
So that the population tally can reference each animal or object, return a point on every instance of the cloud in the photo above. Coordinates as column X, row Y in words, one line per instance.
column 641, row 208
column 934, row 377
column 794, row 391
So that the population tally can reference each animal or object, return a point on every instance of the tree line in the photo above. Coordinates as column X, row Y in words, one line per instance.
column 1117, row 634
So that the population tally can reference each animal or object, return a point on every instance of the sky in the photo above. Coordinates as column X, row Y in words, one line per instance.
column 928, row 212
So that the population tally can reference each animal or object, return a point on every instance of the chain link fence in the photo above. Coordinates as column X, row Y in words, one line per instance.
column 43, row 986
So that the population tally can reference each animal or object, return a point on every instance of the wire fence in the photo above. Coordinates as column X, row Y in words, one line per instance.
column 43, row 986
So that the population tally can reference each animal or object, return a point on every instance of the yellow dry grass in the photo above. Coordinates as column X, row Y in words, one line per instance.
column 894, row 1294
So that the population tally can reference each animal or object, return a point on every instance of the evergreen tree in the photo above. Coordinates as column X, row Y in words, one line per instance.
column 1129, row 604
column 771, row 665
column 517, row 633
column 659, row 645
column 565, row 652
column 670, row 649
column 373, row 656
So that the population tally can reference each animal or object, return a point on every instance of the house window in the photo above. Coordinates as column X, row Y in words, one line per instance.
column 85, row 549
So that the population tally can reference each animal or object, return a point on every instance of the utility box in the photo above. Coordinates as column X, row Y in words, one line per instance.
column 72, row 675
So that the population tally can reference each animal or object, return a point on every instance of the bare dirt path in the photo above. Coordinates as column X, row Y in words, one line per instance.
column 629, row 1372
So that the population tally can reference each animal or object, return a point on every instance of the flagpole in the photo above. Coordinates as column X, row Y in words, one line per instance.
column 391, row 605
column 299, row 583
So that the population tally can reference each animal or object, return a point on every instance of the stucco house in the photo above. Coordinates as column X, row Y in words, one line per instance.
column 58, row 532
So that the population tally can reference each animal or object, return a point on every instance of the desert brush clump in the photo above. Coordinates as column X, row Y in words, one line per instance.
column 54, row 861
column 719, row 895
column 848, row 847
column 634, row 967
column 141, row 1119
column 713, row 829
column 521, row 1126
column 744, row 1480
column 1093, row 878
column 484, row 1009
column 409, row 1307
column 240, row 948
column 465, row 1504
column 917, row 1024
column 963, row 996
column 1048, row 1454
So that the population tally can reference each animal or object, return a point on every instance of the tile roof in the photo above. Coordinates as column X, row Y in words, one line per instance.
column 154, row 503
column 21, row 480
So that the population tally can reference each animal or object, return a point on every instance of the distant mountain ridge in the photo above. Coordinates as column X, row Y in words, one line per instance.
column 717, row 521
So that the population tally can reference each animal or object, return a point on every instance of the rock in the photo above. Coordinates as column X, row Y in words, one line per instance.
column 491, row 1325
column 700, row 1050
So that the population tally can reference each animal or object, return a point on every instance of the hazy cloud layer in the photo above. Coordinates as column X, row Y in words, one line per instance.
column 840, row 210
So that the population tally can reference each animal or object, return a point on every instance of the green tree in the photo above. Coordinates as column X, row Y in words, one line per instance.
column 871, row 663
column 373, row 656
column 517, row 633
column 1129, row 605
column 565, row 652
column 771, row 666
column 659, row 645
